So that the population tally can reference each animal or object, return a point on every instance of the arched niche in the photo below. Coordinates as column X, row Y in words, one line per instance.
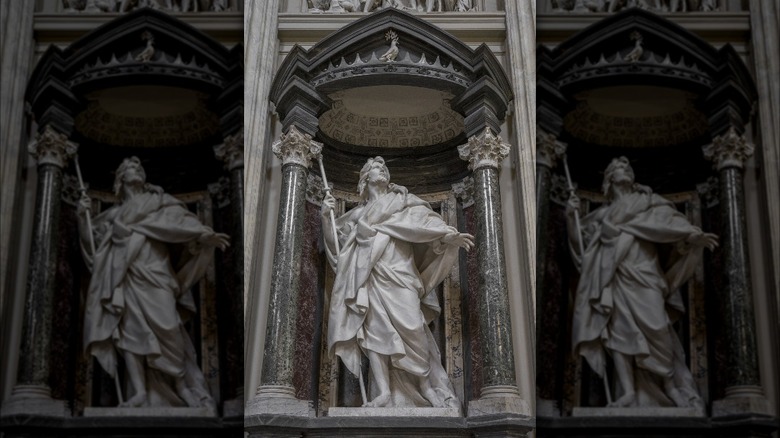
column 637, row 85
column 147, row 85
column 388, row 84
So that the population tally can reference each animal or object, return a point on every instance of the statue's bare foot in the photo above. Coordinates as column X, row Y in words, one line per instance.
column 677, row 398
column 432, row 397
column 379, row 402
column 139, row 399
column 625, row 401
column 190, row 399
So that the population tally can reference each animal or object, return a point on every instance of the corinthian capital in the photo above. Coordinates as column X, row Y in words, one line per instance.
column 296, row 148
column 548, row 149
column 231, row 151
column 52, row 147
column 728, row 150
column 485, row 149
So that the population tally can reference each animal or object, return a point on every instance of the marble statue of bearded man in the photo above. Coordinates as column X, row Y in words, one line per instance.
column 394, row 250
column 626, row 302
column 137, row 302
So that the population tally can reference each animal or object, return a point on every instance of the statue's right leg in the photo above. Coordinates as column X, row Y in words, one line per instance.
column 380, row 369
column 624, row 368
column 137, row 375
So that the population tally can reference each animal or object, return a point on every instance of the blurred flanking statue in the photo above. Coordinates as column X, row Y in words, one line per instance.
column 626, row 302
column 394, row 251
column 137, row 301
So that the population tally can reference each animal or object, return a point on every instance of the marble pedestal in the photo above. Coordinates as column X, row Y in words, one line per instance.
column 740, row 405
column 655, row 412
column 160, row 411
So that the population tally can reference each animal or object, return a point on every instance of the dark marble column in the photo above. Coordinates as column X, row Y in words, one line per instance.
column 276, row 393
column 232, row 153
column 743, row 391
column 52, row 150
column 548, row 151
column 499, row 391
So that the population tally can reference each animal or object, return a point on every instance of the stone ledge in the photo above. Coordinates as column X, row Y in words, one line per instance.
column 161, row 411
column 394, row 412
column 654, row 412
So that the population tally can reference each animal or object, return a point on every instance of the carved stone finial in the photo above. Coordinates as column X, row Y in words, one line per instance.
column 231, row 151
column 728, row 150
column 485, row 149
column 52, row 147
column 548, row 149
column 296, row 148
column 315, row 189
column 464, row 191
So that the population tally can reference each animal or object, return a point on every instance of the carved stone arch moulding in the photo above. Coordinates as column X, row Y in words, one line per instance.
column 392, row 84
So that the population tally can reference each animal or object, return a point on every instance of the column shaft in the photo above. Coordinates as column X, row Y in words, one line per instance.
column 737, row 295
column 278, row 357
column 498, row 366
column 36, row 330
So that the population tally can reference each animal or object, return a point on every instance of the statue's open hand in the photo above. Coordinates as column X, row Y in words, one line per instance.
column 328, row 204
column 219, row 240
column 706, row 240
column 463, row 240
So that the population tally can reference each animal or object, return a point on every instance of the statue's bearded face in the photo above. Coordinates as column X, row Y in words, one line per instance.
column 129, row 172
column 619, row 171
column 373, row 172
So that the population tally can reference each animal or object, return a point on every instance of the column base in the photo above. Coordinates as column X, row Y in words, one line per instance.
column 279, row 400
column 741, row 400
column 34, row 400
column 499, row 400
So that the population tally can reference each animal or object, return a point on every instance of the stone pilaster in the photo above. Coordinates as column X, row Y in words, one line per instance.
column 499, row 394
column 32, row 393
column 743, row 391
column 548, row 152
column 231, row 152
column 276, row 394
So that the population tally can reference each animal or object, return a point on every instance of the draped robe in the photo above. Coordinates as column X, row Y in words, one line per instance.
column 384, row 296
column 137, row 301
column 626, row 301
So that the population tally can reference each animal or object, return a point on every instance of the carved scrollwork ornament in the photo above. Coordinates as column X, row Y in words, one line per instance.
column 709, row 192
column 464, row 191
column 220, row 191
column 296, row 147
column 231, row 151
column 485, row 149
column 728, row 150
column 548, row 149
column 52, row 147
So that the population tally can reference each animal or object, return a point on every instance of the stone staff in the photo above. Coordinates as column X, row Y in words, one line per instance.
column 338, row 250
column 83, row 191
column 582, row 253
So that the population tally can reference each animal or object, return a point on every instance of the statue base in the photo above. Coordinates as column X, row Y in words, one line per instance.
column 740, row 403
column 649, row 411
column 393, row 412
column 159, row 411
column 547, row 408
